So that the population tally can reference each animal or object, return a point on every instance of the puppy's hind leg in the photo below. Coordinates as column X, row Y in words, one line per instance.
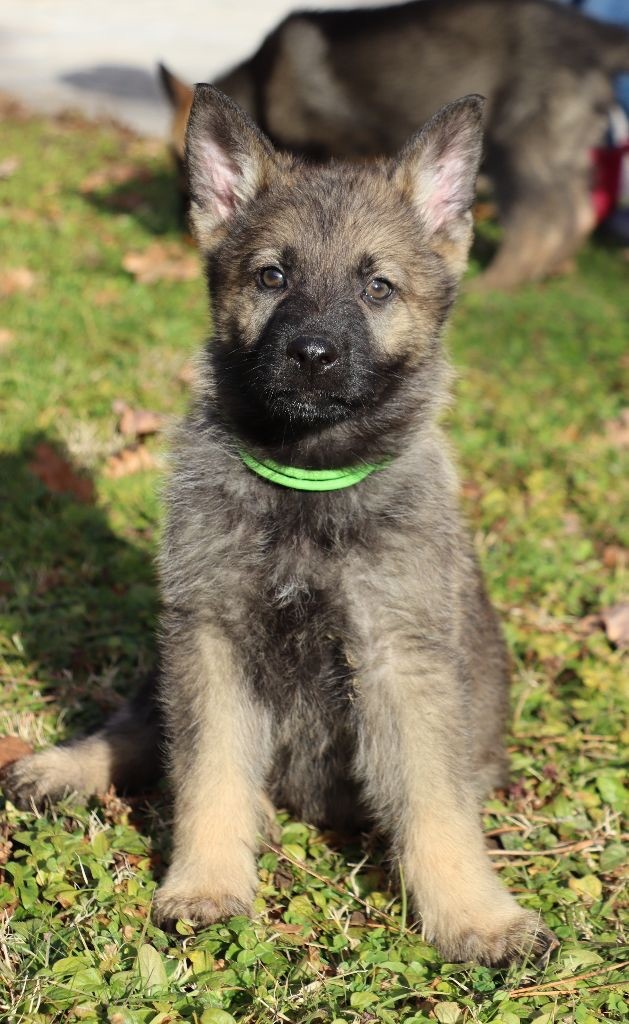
column 124, row 753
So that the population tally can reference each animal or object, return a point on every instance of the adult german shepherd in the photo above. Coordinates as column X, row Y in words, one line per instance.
column 357, row 83
column 327, row 642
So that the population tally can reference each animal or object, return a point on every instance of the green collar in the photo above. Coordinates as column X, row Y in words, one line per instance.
column 310, row 479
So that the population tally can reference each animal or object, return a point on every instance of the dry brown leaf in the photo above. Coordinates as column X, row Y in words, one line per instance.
column 137, row 422
column 161, row 261
column 59, row 475
column 616, row 623
column 615, row 555
column 617, row 430
column 16, row 279
column 113, row 174
column 187, row 373
column 571, row 524
column 133, row 459
column 106, row 296
column 485, row 210
column 9, row 166
column 12, row 748
column 19, row 216
column 6, row 337
column 287, row 929
column 283, row 877
column 471, row 490
column 12, row 109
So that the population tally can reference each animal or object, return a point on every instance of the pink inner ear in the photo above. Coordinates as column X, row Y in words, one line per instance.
column 221, row 176
column 445, row 190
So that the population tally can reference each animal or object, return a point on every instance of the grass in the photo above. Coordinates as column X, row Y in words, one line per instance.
column 539, row 379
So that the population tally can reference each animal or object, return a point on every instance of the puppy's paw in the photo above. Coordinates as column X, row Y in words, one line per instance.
column 523, row 937
column 270, row 828
column 171, row 905
column 35, row 779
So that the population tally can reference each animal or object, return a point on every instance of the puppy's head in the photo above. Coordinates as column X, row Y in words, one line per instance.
column 329, row 284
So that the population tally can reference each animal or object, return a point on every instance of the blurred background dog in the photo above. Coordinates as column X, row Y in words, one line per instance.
column 355, row 83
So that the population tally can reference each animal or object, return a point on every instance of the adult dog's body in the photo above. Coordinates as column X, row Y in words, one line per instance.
column 357, row 83
column 332, row 650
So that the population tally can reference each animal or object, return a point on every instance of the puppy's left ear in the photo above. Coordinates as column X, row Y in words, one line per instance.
column 437, row 171
column 228, row 161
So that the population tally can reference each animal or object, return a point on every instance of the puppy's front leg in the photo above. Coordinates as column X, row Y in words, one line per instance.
column 219, row 744
column 415, row 760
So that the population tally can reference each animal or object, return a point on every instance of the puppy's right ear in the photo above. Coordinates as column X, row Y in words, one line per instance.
column 228, row 161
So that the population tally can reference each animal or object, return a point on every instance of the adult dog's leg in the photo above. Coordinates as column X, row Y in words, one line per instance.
column 545, row 225
column 540, row 161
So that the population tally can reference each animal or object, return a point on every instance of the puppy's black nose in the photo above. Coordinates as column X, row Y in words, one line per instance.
column 313, row 354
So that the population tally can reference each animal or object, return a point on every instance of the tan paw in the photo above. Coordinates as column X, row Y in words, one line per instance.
column 270, row 827
column 170, row 906
column 524, row 937
column 33, row 780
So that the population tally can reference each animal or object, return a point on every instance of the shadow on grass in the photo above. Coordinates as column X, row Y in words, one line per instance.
column 80, row 604
column 152, row 199
column 78, row 601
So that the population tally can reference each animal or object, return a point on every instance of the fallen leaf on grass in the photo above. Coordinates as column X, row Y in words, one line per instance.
column 471, row 490
column 617, row 430
column 283, row 877
column 58, row 475
column 6, row 337
column 12, row 748
column 133, row 459
column 485, row 210
column 137, row 422
column 187, row 373
column 615, row 556
column 106, row 296
column 616, row 623
column 11, row 109
column 288, row 929
column 161, row 261
column 113, row 174
column 571, row 524
column 16, row 279
column 19, row 216
column 9, row 166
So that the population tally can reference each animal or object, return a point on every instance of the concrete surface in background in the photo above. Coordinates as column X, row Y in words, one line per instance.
column 100, row 56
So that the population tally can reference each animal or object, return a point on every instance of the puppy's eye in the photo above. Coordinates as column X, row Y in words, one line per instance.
column 272, row 277
column 378, row 290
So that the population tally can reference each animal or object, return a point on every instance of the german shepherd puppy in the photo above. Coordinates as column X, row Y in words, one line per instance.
column 327, row 642
column 356, row 83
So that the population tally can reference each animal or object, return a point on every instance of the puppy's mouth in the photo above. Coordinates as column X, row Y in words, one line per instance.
column 308, row 406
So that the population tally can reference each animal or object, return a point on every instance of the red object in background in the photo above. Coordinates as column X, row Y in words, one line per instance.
column 607, row 161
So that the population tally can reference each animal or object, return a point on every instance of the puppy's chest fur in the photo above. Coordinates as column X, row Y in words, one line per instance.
column 297, row 651
column 297, row 663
